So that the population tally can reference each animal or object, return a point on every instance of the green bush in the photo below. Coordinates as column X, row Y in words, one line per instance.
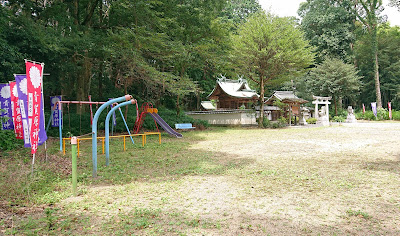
column 171, row 118
column 369, row 115
column 281, row 122
column 8, row 140
column 311, row 121
column 342, row 112
column 275, row 125
column 359, row 115
column 338, row 119
column 382, row 114
column 395, row 115
column 266, row 123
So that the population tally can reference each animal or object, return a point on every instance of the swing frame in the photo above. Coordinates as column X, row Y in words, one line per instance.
column 59, row 110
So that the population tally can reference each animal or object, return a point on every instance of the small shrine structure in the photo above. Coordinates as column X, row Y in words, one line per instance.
column 231, row 103
column 233, row 94
column 322, row 115
column 293, row 104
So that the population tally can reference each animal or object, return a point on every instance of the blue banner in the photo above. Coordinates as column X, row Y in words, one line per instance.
column 5, row 104
column 55, row 119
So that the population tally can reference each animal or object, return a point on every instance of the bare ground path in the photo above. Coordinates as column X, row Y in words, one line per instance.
column 338, row 180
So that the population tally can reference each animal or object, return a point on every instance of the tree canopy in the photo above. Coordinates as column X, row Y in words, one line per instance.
column 171, row 52
column 269, row 49
column 329, row 25
column 335, row 78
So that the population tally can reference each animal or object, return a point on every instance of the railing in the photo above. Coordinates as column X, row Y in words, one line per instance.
column 144, row 140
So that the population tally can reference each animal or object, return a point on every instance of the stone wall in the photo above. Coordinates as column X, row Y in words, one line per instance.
column 232, row 117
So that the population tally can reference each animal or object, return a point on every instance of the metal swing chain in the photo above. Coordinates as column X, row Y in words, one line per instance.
column 80, row 118
column 69, row 121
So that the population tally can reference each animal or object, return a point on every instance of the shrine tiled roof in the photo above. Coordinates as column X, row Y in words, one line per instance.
column 235, row 88
column 208, row 105
column 285, row 96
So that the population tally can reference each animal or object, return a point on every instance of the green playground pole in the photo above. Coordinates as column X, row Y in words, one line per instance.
column 74, row 164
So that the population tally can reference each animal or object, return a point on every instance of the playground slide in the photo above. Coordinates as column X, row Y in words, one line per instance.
column 165, row 126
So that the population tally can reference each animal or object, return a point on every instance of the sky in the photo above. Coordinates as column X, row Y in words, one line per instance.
column 289, row 8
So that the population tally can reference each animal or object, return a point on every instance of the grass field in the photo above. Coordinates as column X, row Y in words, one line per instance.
column 338, row 180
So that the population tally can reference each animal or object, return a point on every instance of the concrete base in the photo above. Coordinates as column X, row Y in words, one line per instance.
column 351, row 119
column 324, row 121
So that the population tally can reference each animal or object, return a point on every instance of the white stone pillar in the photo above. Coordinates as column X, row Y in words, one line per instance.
column 327, row 110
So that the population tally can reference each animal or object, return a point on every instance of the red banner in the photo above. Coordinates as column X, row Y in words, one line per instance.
column 363, row 108
column 16, row 111
column 390, row 110
column 34, row 81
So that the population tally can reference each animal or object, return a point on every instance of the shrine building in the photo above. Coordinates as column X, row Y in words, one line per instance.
column 233, row 94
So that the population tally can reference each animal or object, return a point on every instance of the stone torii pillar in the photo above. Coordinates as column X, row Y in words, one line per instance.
column 324, row 119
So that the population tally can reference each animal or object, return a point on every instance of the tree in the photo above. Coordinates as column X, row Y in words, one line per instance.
column 155, row 49
column 395, row 3
column 367, row 11
column 269, row 49
column 389, row 64
column 329, row 26
column 335, row 78
column 237, row 11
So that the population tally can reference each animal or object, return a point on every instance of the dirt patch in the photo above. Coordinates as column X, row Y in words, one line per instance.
column 325, row 180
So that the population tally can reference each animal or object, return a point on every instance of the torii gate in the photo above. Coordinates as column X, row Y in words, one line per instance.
column 322, row 101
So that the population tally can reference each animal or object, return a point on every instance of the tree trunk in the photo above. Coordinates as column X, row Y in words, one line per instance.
column 83, row 82
column 261, row 118
column 334, row 100
column 177, row 106
column 374, row 39
column 377, row 83
column 76, row 12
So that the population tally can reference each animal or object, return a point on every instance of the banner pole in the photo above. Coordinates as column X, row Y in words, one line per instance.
column 44, row 117
column 34, row 62
column 33, row 163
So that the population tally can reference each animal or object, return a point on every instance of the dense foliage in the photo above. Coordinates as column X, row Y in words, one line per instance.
column 329, row 25
column 170, row 52
column 335, row 78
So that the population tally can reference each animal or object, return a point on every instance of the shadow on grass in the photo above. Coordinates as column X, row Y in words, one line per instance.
column 389, row 166
column 172, row 159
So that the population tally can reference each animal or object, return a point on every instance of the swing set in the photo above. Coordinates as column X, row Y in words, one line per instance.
column 58, row 108
column 146, row 108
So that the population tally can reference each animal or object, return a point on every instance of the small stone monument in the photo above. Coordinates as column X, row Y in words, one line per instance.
column 303, row 113
column 351, row 118
column 323, row 116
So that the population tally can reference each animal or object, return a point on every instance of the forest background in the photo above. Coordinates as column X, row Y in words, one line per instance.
column 171, row 52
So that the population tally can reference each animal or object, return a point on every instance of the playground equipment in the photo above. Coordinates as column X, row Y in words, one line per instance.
column 94, row 128
column 107, row 126
column 140, row 118
column 74, row 165
column 147, row 108
column 59, row 110
column 144, row 140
